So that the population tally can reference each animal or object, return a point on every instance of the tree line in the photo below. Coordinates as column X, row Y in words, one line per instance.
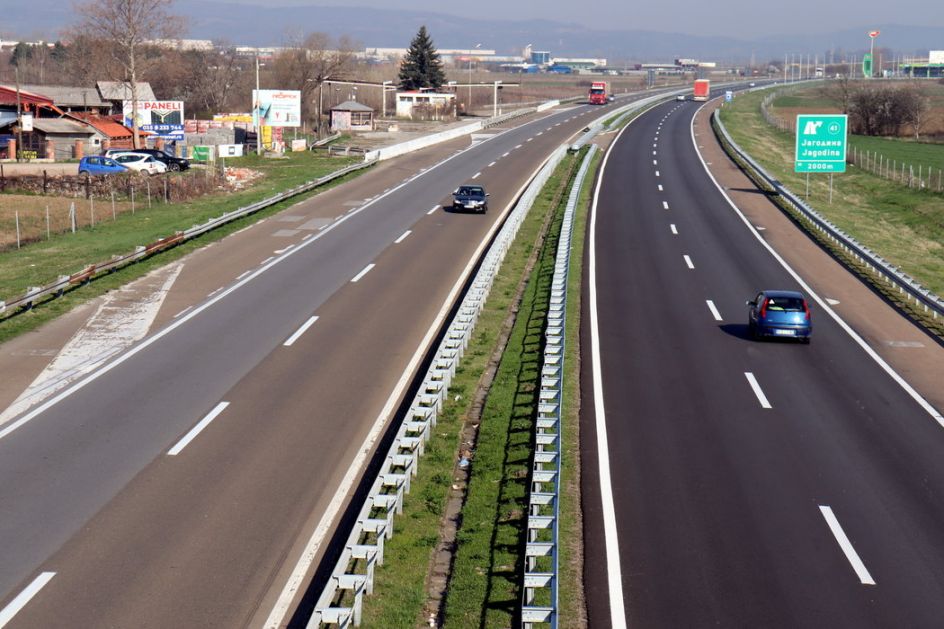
column 879, row 108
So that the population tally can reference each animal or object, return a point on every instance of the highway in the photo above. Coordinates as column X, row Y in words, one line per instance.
column 178, row 484
column 729, row 482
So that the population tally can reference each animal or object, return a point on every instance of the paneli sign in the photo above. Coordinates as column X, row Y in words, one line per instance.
column 164, row 118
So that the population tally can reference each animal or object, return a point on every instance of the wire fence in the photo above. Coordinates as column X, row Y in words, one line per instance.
column 915, row 176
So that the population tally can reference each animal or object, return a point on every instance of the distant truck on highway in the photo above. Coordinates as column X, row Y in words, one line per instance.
column 598, row 92
column 702, row 89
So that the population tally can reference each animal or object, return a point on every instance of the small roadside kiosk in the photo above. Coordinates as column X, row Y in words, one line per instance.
column 352, row 116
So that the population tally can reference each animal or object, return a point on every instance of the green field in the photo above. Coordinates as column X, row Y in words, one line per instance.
column 903, row 225
column 904, row 151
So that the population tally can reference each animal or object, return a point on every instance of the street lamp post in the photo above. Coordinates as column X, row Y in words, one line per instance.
column 383, row 98
column 477, row 46
column 255, row 112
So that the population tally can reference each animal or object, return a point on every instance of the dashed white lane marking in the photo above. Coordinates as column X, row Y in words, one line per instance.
column 183, row 312
column 196, row 430
column 476, row 175
column 298, row 333
column 832, row 302
column 764, row 403
column 506, row 154
column 688, row 262
column 655, row 145
column 403, row 237
column 490, row 165
column 24, row 597
column 539, row 133
column 665, row 205
column 655, row 153
column 312, row 235
column 714, row 310
column 529, row 139
column 279, row 252
column 655, row 162
column 242, row 275
column 760, row 229
column 432, row 210
column 216, row 291
column 660, row 187
column 518, row 146
column 558, row 124
column 366, row 270
column 674, row 229
column 657, row 173
column 267, row 260
column 846, row 546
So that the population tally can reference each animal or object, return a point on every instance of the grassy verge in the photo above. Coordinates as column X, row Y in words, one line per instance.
column 905, row 226
column 41, row 262
column 878, row 282
column 400, row 585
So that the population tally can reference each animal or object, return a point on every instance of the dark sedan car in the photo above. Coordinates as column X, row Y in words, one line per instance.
column 781, row 314
column 470, row 198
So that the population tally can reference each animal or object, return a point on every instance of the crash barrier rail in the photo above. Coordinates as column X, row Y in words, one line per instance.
column 409, row 146
column 541, row 569
column 887, row 272
column 65, row 282
column 341, row 600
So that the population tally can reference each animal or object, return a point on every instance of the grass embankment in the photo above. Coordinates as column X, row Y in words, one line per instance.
column 41, row 262
column 905, row 226
column 483, row 590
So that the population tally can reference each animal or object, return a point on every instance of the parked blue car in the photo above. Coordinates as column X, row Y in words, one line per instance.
column 100, row 165
column 781, row 314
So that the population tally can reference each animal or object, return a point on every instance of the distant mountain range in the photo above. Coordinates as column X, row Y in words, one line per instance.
column 271, row 26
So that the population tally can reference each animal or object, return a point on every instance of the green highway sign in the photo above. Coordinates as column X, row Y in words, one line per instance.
column 821, row 143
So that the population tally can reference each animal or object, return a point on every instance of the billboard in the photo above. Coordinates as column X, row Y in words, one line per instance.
column 936, row 56
column 277, row 108
column 163, row 118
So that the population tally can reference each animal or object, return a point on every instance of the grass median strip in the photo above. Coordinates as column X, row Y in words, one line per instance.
column 499, row 459
column 41, row 262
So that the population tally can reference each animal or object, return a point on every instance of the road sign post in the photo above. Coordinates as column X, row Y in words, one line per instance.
column 821, row 143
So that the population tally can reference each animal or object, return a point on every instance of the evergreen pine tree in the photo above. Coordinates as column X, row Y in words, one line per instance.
column 422, row 66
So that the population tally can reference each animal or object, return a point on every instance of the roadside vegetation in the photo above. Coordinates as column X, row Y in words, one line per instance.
column 41, row 262
column 902, row 224
column 483, row 589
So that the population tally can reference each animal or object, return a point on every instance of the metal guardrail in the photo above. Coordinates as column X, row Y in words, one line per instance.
column 64, row 282
column 544, row 493
column 341, row 600
column 887, row 272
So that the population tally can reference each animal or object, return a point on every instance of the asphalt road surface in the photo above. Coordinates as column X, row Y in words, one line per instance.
column 176, row 486
column 745, row 484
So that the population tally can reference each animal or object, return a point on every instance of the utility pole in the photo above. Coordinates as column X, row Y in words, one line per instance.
column 257, row 112
column 19, row 115
column 477, row 46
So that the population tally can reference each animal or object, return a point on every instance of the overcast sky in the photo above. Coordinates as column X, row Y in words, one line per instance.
column 724, row 17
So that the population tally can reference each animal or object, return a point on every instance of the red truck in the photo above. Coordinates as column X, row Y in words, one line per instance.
column 598, row 93
column 702, row 89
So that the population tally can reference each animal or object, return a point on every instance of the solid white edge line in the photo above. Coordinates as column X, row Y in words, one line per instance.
column 846, row 546
column 307, row 558
column 714, row 310
column 148, row 341
column 688, row 261
column 196, row 430
column 614, row 574
column 751, row 380
column 432, row 210
column 403, row 237
column 24, row 597
column 298, row 333
column 364, row 272
column 911, row 391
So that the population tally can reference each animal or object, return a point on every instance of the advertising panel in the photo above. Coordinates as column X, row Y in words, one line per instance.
column 936, row 56
column 277, row 108
column 164, row 118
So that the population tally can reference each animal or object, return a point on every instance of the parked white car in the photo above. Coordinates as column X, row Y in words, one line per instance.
column 141, row 162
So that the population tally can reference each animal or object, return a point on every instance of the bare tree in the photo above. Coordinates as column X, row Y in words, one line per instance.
column 915, row 108
column 213, row 77
column 309, row 62
column 127, row 26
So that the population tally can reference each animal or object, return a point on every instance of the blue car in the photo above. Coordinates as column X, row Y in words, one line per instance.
column 100, row 165
column 780, row 314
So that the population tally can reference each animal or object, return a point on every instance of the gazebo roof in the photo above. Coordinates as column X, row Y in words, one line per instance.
column 351, row 105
